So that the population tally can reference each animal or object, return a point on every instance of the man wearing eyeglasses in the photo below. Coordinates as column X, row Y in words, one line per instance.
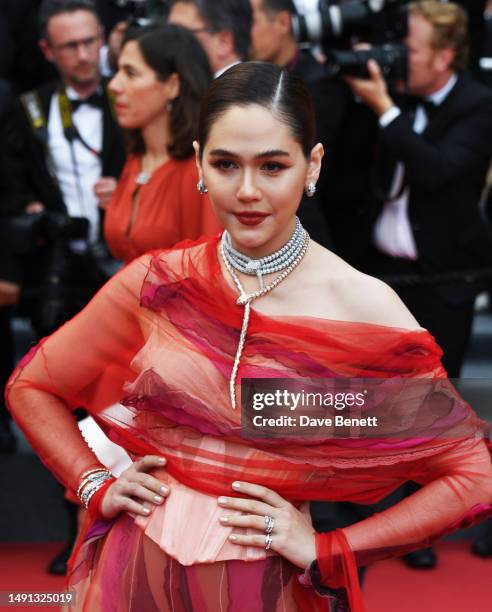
column 61, row 143
column 70, row 139
column 223, row 28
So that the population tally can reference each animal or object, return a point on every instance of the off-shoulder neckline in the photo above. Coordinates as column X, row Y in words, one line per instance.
column 294, row 319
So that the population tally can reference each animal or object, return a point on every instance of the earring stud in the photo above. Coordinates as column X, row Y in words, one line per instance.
column 202, row 190
column 310, row 189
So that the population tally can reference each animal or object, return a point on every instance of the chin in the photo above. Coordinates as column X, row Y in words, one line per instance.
column 252, row 241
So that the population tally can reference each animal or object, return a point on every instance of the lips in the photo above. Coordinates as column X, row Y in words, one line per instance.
column 250, row 217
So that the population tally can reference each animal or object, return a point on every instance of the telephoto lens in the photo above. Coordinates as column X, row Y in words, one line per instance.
column 392, row 59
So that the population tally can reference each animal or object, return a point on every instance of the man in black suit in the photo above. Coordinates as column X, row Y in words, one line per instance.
column 433, row 156
column 222, row 27
column 433, row 160
column 272, row 40
column 71, row 38
column 62, row 143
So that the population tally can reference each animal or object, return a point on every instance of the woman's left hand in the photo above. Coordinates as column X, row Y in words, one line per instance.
column 292, row 535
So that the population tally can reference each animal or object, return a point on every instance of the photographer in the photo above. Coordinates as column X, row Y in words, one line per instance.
column 272, row 40
column 433, row 155
column 63, row 143
column 222, row 27
column 63, row 146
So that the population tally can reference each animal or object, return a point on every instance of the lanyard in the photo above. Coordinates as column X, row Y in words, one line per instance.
column 71, row 134
column 70, row 130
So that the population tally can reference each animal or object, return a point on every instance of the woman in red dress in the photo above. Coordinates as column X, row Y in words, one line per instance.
column 209, row 517
column 162, row 75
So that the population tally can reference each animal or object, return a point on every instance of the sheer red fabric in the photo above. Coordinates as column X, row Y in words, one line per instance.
column 150, row 358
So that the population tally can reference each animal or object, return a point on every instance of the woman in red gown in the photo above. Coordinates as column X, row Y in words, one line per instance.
column 209, row 517
column 162, row 75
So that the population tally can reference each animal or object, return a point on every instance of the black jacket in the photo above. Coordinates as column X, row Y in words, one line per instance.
column 27, row 154
column 331, row 100
column 445, row 169
column 29, row 177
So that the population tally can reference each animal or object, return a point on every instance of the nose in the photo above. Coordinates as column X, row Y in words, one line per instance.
column 114, row 85
column 82, row 52
column 248, row 190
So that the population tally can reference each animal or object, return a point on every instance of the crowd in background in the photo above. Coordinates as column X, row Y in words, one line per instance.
column 99, row 111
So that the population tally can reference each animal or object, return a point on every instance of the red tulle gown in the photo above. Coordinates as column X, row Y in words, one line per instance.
column 161, row 338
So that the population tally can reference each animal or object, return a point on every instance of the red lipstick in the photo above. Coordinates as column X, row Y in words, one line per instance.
column 250, row 217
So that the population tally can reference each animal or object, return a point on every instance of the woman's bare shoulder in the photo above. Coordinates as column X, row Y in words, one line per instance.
column 363, row 298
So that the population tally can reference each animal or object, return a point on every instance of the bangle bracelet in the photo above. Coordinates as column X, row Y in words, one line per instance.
column 92, row 483
column 89, row 475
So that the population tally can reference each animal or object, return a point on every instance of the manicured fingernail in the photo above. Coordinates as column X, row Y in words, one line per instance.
column 162, row 461
column 222, row 500
column 163, row 490
column 224, row 519
column 236, row 485
column 232, row 538
column 158, row 499
column 145, row 510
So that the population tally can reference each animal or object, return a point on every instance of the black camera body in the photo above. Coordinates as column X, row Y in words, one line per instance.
column 25, row 233
column 382, row 23
column 392, row 59
column 58, row 279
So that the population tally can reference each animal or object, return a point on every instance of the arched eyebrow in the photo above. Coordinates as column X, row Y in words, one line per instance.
column 269, row 153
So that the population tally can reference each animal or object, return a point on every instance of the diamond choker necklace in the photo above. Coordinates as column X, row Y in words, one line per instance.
column 285, row 260
column 277, row 261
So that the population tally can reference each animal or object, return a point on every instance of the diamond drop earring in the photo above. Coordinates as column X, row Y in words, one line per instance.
column 201, row 187
column 310, row 189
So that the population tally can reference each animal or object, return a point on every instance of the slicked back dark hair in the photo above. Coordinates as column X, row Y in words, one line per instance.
column 233, row 15
column 50, row 8
column 277, row 6
column 169, row 49
column 267, row 85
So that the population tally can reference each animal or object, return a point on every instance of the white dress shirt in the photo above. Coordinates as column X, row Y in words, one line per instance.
column 77, row 174
column 221, row 71
column 392, row 232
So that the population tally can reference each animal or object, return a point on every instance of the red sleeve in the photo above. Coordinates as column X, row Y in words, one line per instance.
column 83, row 364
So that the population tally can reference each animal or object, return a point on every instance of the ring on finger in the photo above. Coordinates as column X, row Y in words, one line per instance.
column 269, row 524
column 268, row 541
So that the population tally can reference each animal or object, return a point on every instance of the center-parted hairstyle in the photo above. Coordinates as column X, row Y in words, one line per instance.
column 267, row 85
column 169, row 49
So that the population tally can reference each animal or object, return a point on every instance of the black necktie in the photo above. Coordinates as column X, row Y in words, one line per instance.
column 95, row 100
column 410, row 103
column 430, row 108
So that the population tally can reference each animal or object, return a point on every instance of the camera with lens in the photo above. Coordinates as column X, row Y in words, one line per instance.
column 25, row 233
column 382, row 23
column 46, row 242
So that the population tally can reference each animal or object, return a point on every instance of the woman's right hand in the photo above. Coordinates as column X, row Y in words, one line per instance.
column 134, row 490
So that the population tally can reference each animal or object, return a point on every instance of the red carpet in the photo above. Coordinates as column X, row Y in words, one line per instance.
column 462, row 581
column 23, row 568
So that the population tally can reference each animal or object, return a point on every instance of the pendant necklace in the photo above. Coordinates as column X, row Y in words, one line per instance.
column 284, row 260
